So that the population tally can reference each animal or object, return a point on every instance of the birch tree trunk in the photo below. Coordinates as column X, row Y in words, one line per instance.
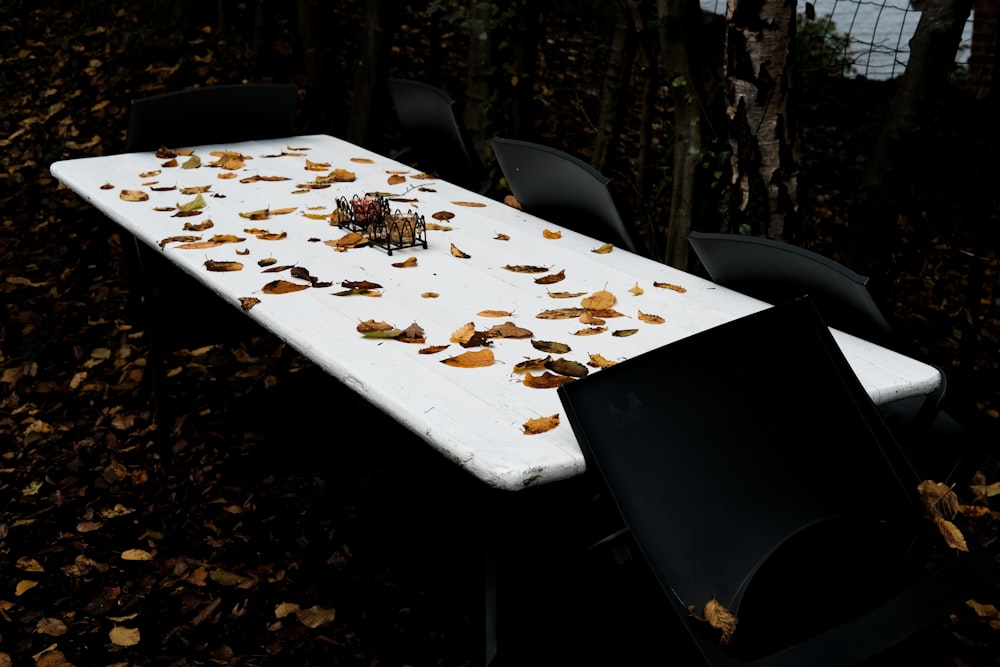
column 679, row 22
column 762, row 134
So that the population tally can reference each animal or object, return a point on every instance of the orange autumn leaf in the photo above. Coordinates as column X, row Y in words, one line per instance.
column 669, row 286
column 541, row 424
column 316, row 166
column 362, row 160
column 432, row 349
column 473, row 204
column 599, row 300
column 406, row 263
column 650, row 318
column 552, row 278
column 471, row 359
column 597, row 361
column 494, row 313
column 396, row 179
column 443, row 215
column 282, row 287
column 722, row 619
column 547, row 234
column 343, row 176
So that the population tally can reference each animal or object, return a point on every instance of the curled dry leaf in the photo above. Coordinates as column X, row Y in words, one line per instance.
column 443, row 215
column 604, row 249
column 108, row 186
column 430, row 295
column 464, row 333
column 52, row 627
column 133, row 195
column 192, row 162
column 413, row 334
column 548, row 234
column 590, row 331
column 369, row 326
column 669, row 286
column 512, row 201
column 636, row 290
column 395, row 179
column 343, row 176
column 565, row 295
column 407, row 263
column 722, row 619
column 24, row 586
column 541, row 424
column 471, row 204
column 198, row 226
column 624, row 333
column 248, row 302
column 952, row 535
column 213, row 265
column 136, row 554
column 567, row 367
column 650, row 318
column 525, row 268
column 938, row 499
column 537, row 364
column 508, row 330
column 597, row 361
column 471, row 359
column 546, row 380
column 433, row 349
column 362, row 160
column 588, row 317
column 501, row 237
column 29, row 564
column 458, row 253
column 214, row 242
column 285, row 609
column 316, row 166
column 552, row 278
column 434, row 227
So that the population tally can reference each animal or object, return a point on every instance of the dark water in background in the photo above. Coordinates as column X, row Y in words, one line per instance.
column 880, row 30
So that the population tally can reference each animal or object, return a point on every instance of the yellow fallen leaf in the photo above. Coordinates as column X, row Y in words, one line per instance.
column 952, row 535
column 24, row 585
column 136, row 554
column 649, row 318
column 122, row 636
column 636, row 290
column 285, row 609
column 604, row 249
column 464, row 333
column 315, row 616
column 599, row 300
column 541, row 425
column 29, row 564
column 133, row 195
column 721, row 618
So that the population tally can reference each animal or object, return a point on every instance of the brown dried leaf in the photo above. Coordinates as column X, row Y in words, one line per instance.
column 213, row 265
column 368, row 326
column 198, row 226
column 407, row 263
column 472, row 204
column 508, row 330
column 122, row 636
column 547, row 234
column 458, row 253
column 590, row 331
column 636, row 290
column 938, row 499
column 395, row 179
column 282, row 287
column 315, row 616
column 551, row 347
column 952, row 535
column 567, row 367
column 536, row 364
column 669, row 286
column 494, row 313
column 651, row 319
column 541, row 424
column 512, row 201
column 316, row 166
column 471, row 359
column 343, row 176
column 433, row 349
column 560, row 314
column 551, row 278
column 248, row 302
column 597, row 361
column 565, row 295
column 722, row 619
column 362, row 160
column 546, row 380
column 501, row 237
column 525, row 268
column 443, row 215
column 604, row 249
column 464, row 333
column 624, row 333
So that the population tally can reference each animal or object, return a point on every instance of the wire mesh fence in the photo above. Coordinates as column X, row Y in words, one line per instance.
column 871, row 38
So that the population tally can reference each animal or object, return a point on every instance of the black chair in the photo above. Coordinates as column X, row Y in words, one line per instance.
column 775, row 272
column 750, row 467
column 563, row 189
column 436, row 141
column 211, row 115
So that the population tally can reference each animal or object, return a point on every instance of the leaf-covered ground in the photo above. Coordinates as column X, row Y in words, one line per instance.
column 275, row 519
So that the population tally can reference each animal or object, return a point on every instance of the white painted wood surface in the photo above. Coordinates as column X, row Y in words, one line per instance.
column 473, row 416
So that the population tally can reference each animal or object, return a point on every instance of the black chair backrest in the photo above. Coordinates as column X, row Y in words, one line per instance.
column 746, row 446
column 211, row 115
column 774, row 272
column 563, row 189
column 436, row 139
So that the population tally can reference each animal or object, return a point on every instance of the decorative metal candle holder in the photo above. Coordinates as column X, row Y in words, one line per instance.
column 400, row 230
column 359, row 213
column 384, row 228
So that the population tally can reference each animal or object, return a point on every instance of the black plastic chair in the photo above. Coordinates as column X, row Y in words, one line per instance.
column 211, row 115
column 750, row 467
column 436, row 141
column 774, row 272
column 563, row 189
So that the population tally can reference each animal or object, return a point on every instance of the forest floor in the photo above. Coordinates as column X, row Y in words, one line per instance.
column 274, row 540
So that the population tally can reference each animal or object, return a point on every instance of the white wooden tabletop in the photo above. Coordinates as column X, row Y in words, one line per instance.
column 474, row 416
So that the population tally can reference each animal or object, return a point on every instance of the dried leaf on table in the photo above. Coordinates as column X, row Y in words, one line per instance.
column 214, row 242
column 195, row 189
column 473, row 204
column 669, row 286
column 599, row 300
column 443, row 215
column 597, row 361
column 429, row 295
column 282, row 287
column 636, row 290
column 512, row 201
column 536, row 364
column 494, row 313
column 567, row 367
column 550, row 347
column 552, row 278
column 368, row 326
column 546, row 380
column 458, row 253
column 222, row 267
column 259, row 214
column 472, row 359
column 267, row 261
column 165, row 153
column 590, row 318
column 360, row 284
column 624, row 333
column 649, row 318
column 198, row 226
column 508, row 330
column 349, row 240
column 541, row 425
column 565, row 295
column 133, row 195
column 501, row 237
column 195, row 204
column 407, row 263
column 433, row 349
column 548, row 234
column 590, row 331
column 525, row 268
column 604, row 249
column 316, row 166
column 560, row 314
column 248, row 302
column 192, row 162
column 107, row 186
column 413, row 334
column 179, row 239
column 276, row 269
column 343, row 176
column 464, row 333
column 434, row 227
column 164, row 188
column 362, row 160
column 395, row 179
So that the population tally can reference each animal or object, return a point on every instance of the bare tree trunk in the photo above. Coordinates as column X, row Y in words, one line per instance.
column 762, row 135
column 520, row 71
column 902, row 146
column 621, row 57
column 323, row 93
column 480, row 71
column 679, row 20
